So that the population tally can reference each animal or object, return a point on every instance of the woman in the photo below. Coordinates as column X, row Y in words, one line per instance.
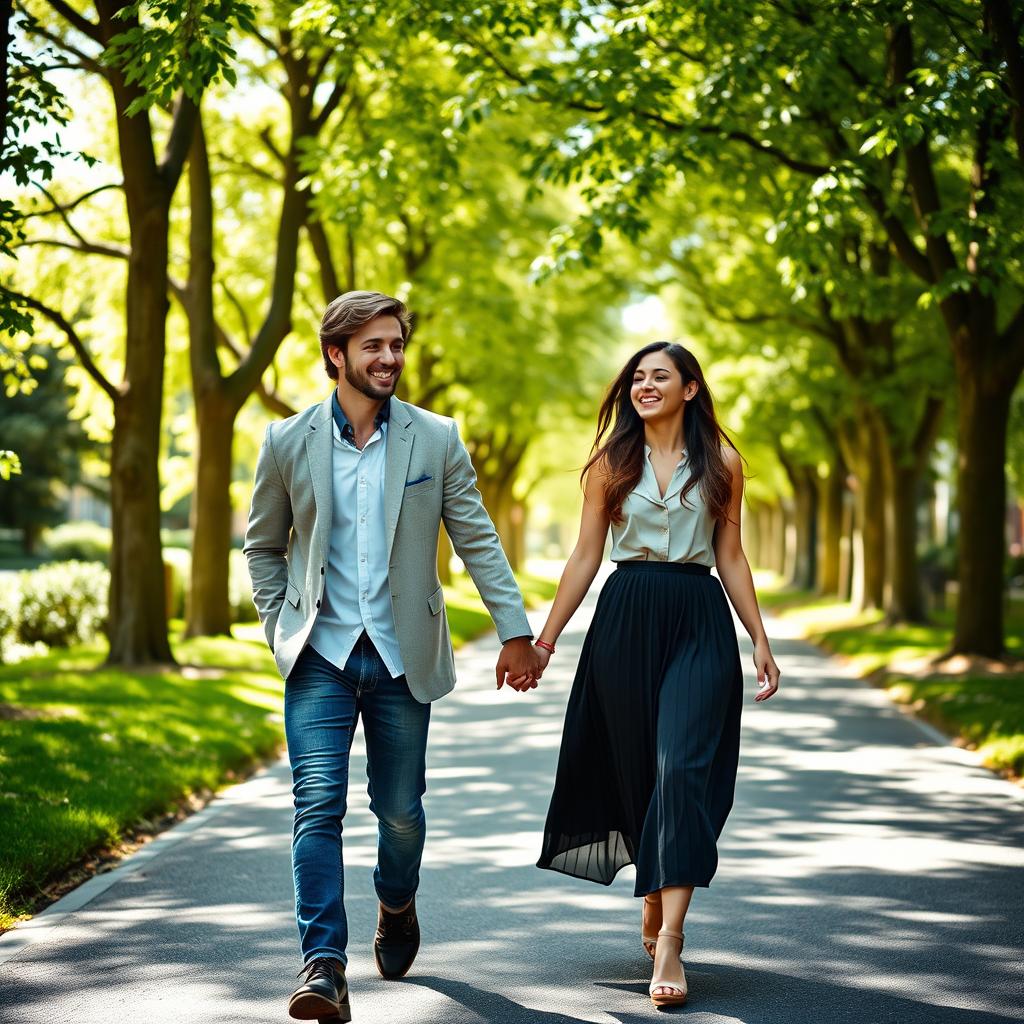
column 648, row 760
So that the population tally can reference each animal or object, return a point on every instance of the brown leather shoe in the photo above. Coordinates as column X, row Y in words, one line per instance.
column 397, row 941
column 323, row 995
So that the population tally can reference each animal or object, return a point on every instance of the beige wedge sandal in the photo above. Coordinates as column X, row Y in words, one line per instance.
column 677, row 993
column 648, row 941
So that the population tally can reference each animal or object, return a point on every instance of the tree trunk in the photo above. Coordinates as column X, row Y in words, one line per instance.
column 803, row 528
column 137, row 623
column 904, row 598
column 983, row 416
column 217, row 397
column 751, row 536
column 861, row 448
column 846, row 547
column 137, row 627
column 517, row 534
column 777, row 538
column 208, row 608
column 830, row 528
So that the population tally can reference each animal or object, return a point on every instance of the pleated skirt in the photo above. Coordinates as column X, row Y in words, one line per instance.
column 647, row 766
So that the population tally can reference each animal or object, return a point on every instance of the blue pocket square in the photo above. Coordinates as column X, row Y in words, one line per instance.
column 418, row 480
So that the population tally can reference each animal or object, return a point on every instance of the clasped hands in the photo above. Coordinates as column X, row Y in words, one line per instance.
column 520, row 664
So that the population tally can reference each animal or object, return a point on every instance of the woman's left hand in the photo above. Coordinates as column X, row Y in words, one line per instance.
column 767, row 671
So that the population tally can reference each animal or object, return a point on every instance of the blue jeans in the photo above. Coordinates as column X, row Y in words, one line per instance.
column 322, row 704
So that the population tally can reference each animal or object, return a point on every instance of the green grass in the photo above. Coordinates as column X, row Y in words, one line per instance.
column 985, row 712
column 87, row 753
column 467, row 615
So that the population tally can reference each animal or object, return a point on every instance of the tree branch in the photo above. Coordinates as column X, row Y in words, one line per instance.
column 63, row 210
column 269, row 143
column 759, row 145
column 317, row 121
column 56, row 317
column 269, row 44
column 927, row 430
column 88, row 63
column 272, row 401
column 92, row 248
column 920, row 173
column 243, row 317
column 906, row 248
column 329, row 283
column 1010, row 361
column 186, row 113
column 244, row 165
column 79, row 21
column 1006, row 36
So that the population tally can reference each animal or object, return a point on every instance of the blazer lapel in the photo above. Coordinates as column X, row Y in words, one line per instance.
column 396, row 465
column 319, row 453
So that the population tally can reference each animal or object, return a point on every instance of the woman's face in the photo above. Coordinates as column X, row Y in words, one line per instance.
column 658, row 390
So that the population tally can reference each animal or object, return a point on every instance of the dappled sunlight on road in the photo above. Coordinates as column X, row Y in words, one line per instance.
column 864, row 869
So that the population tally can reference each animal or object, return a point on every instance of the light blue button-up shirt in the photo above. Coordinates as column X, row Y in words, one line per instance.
column 356, row 593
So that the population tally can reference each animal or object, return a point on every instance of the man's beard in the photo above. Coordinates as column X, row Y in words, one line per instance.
column 366, row 385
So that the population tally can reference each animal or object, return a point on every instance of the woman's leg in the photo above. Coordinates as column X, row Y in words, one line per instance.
column 675, row 901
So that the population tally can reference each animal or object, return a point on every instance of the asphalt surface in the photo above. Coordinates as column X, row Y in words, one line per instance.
column 868, row 873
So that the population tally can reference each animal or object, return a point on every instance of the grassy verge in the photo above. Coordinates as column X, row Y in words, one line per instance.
column 467, row 615
column 984, row 711
column 89, row 754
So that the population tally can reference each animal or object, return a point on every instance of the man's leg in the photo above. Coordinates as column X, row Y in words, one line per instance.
column 320, row 717
column 395, row 725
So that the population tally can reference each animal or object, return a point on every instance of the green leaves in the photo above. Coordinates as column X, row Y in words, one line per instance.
column 172, row 45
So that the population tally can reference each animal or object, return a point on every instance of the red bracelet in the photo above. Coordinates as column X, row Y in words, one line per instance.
column 545, row 645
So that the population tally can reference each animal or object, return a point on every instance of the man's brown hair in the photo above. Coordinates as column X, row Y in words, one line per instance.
column 348, row 312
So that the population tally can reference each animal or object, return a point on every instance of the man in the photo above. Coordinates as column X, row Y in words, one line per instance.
column 342, row 548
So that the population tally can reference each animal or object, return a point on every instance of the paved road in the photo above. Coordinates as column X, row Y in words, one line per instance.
column 868, row 874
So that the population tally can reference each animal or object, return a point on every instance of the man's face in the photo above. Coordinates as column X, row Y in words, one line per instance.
column 374, row 359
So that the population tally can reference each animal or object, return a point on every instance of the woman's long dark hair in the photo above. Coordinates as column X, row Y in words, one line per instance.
column 619, row 444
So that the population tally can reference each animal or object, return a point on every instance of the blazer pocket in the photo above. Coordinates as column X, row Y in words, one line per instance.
column 292, row 595
column 436, row 601
column 420, row 487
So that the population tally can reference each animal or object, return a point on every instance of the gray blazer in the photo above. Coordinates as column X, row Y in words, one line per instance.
column 288, row 538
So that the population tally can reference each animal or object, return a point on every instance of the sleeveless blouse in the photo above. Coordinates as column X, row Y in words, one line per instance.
column 665, row 529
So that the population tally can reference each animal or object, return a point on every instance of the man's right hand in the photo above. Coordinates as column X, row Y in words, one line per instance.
column 518, row 664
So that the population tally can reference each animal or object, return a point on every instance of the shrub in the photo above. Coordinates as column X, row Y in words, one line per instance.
column 1015, row 570
column 83, row 542
column 176, row 539
column 240, row 589
column 8, row 613
column 63, row 603
column 180, row 561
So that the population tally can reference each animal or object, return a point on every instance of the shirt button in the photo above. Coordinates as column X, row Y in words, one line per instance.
column 318, row 604
column 321, row 570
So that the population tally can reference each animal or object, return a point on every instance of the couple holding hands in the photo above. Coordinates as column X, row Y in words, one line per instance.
column 341, row 543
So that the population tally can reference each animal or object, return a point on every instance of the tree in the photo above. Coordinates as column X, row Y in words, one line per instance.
column 50, row 445
column 151, row 55
column 912, row 110
column 304, row 60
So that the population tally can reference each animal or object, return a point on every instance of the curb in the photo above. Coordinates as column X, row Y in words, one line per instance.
column 38, row 927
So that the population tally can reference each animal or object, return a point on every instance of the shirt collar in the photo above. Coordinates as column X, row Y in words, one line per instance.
column 345, row 428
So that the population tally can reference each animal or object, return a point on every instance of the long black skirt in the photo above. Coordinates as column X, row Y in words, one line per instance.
column 647, row 766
